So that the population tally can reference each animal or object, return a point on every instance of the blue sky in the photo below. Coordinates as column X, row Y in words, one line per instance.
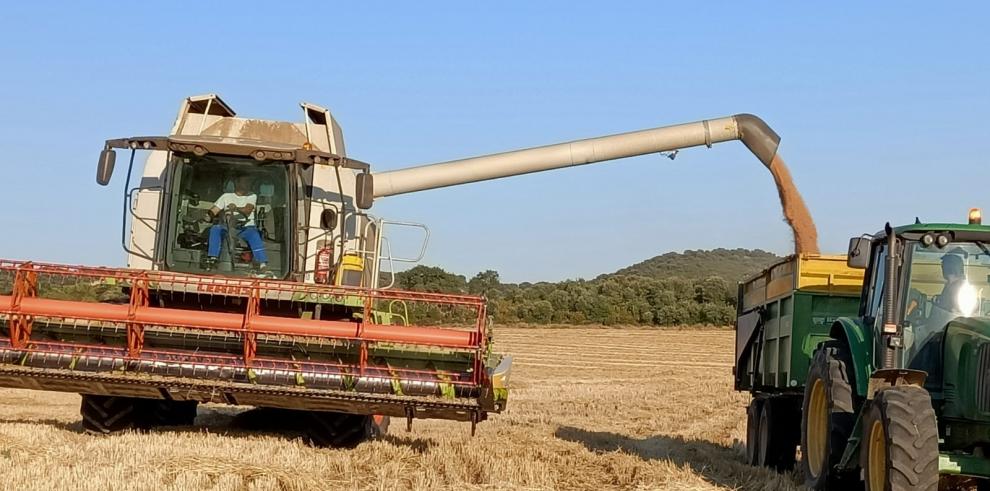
column 883, row 114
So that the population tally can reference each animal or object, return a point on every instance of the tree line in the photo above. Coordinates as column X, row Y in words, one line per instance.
column 620, row 299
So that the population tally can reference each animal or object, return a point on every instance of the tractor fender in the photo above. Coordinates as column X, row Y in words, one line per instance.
column 859, row 339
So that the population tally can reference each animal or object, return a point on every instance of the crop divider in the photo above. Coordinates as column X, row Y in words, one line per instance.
column 252, row 310
column 135, row 330
column 25, row 285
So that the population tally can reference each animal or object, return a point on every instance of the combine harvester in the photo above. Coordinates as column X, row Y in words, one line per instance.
column 256, row 277
column 876, row 363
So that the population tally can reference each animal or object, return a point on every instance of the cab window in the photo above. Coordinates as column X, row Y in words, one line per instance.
column 229, row 216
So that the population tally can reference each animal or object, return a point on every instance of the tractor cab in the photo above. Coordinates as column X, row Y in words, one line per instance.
column 941, row 272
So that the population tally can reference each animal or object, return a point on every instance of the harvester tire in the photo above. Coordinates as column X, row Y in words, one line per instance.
column 109, row 414
column 158, row 412
column 343, row 430
column 827, row 417
column 753, row 431
column 900, row 441
column 779, row 433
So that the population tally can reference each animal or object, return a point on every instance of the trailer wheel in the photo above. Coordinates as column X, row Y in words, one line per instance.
column 779, row 433
column 900, row 441
column 108, row 414
column 343, row 430
column 827, row 416
column 753, row 431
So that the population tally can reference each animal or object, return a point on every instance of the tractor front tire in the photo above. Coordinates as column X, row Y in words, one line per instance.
column 827, row 416
column 900, row 441
column 109, row 414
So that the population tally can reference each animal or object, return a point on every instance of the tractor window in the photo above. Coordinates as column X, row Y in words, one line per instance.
column 248, row 235
column 943, row 283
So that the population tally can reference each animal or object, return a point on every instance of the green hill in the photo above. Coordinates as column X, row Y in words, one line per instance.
column 730, row 264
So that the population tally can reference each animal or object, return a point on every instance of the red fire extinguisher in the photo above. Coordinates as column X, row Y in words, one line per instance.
column 324, row 260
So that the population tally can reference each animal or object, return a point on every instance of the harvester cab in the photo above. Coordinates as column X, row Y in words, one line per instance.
column 901, row 394
column 246, row 197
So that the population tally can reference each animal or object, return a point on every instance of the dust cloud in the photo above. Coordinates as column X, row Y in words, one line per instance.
column 795, row 212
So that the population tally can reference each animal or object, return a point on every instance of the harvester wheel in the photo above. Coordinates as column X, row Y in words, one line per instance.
column 827, row 416
column 158, row 412
column 753, row 431
column 779, row 433
column 343, row 430
column 900, row 441
column 108, row 414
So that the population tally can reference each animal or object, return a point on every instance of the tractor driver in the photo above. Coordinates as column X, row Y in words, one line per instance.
column 954, row 273
column 240, row 206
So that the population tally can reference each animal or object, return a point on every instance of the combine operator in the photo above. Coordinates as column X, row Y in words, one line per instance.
column 238, row 207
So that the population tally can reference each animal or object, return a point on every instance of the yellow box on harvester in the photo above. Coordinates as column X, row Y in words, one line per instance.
column 351, row 271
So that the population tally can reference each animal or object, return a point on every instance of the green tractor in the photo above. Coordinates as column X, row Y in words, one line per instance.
column 899, row 396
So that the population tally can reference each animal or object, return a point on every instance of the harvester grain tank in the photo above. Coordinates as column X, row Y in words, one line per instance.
column 256, row 276
column 889, row 385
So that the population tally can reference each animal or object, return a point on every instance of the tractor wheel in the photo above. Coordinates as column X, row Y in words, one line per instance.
column 109, row 414
column 753, row 431
column 158, row 412
column 900, row 441
column 827, row 416
column 779, row 433
column 343, row 430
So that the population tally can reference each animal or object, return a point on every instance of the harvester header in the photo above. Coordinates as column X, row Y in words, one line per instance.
column 115, row 340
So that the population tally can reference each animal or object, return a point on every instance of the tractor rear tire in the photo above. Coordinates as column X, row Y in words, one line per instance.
column 827, row 417
column 159, row 412
column 109, row 414
column 343, row 430
column 753, row 431
column 779, row 433
column 900, row 441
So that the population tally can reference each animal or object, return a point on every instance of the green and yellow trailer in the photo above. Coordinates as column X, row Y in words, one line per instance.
column 784, row 312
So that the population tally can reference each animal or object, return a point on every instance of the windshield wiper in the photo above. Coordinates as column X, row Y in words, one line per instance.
column 982, row 246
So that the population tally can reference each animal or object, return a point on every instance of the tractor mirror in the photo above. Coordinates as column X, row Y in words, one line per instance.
column 105, row 168
column 365, row 193
column 328, row 219
column 859, row 253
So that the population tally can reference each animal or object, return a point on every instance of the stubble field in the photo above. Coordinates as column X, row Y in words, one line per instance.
column 590, row 409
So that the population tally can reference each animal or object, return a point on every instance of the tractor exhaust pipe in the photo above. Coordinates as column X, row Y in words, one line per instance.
column 758, row 137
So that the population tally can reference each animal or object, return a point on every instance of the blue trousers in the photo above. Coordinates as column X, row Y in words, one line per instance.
column 250, row 235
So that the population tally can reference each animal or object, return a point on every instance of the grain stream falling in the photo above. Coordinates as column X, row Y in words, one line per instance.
column 795, row 211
